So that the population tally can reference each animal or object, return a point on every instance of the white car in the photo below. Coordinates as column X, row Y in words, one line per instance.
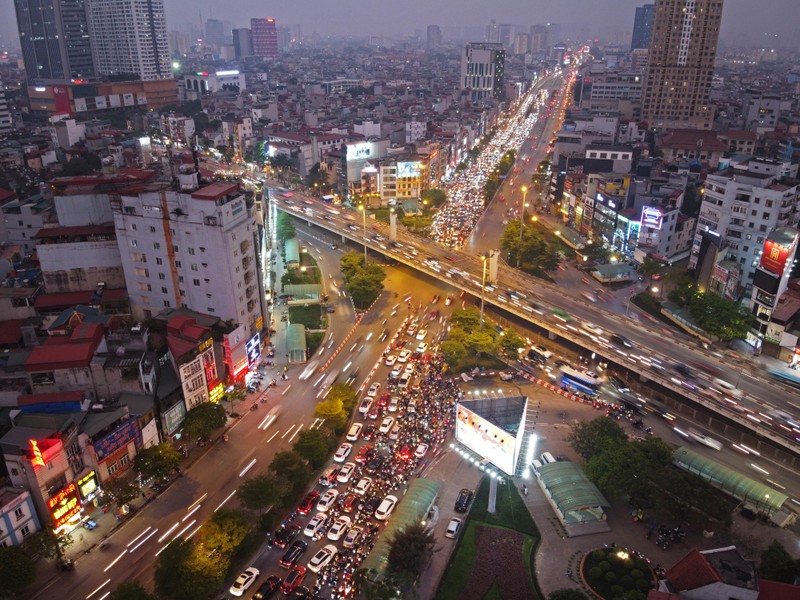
column 396, row 372
column 422, row 334
column 422, row 347
column 244, row 581
column 343, row 452
column 384, row 511
column 394, row 404
column 352, row 537
column 421, row 451
column 315, row 524
column 390, row 360
column 374, row 389
column 320, row 560
column 409, row 369
column 339, row 528
column 386, row 425
column 453, row 527
column 363, row 485
column 365, row 405
column 327, row 500
column 355, row 432
column 346, row 472
column 593, row 328
column 403, row 356
column 412, row 329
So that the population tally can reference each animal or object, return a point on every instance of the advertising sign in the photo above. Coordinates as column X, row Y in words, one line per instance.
column 61, row 100
column 87, row 485
column 409, row 169
column 36, row 455
column 64, row 505
column 360, row 151
column 773, row 259
column 485, row 439
column 253, row 347
column 652, row 217
column 119, row 438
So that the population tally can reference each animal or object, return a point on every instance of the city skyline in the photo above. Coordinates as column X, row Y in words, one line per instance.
column 742, row 21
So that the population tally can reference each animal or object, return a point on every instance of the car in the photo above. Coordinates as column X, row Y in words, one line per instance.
column 352, row 537
column 390, row 360
column 405, row 379
column 365, row 453
column 355, row 432
column 293, row 579
column 422, row 334
column 371, row 505
column 422, row 347
column 369, row 432
column 351, row 502
column 284, row 535
column 412, row 329
column 343, row 452
column 315, row 524
column 374, row 412
column 591, row 328
column 308, row 503
column 302, row 593
column 244, row 581
column 386, row 425
column 453, row 527
column 384, row 511
column 396, row 372
column 394, row 434
column 328, row 477
column 448, row 301
column 375, row 464
column 363, row 485
column 269, row 587
column 405, row 452
column 409, row 369
column 463, row 500
column 435, row 299
column 346, row 472
column 421, row 451
column 403, row 356
column 374, row 389
column 394, row 404
column 293, row 554
column 383, row 401
column 328, row 499
column 339, row 528
column 365, row 405
column 321, row 559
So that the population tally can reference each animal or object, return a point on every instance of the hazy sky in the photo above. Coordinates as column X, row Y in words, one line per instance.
column 747, row 19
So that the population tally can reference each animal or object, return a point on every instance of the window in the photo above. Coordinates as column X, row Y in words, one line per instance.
column 25, row 531
column 124, row 461
column 762, row 228
column 159, row 261
column 196, row 282
column 14, row 472
column 178, row 264
column 164, row 290
column 156, row 246
column 152, row 229
column 191, row 251
column 133, row 226
column 765, row 216
column 162, row 276
column 166, row 304
column 134, row 243
column 19, row 513
column 768, row 203
column 113, row 468
column 194, row 267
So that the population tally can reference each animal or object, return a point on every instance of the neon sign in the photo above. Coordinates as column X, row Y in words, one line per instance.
column 64, row 505
column 38, row 459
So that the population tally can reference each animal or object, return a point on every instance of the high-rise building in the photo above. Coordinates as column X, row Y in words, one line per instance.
column 521, row 43
column 493, row 32
column 215, row 32
column 5, row 113
column 538, row 40
column 506, row 35
column 54, row 36
column 130, row 36
column 681, row 64
column 434, row 39
column 242, row 43
column 264, row 33
column 483, row 69
column 643, row 26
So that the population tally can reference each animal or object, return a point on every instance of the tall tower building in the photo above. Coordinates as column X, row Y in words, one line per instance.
column 643, row 27
column 54, row 36
column 5, row 113
column 538, row 40
column 483, row 69
column 681, row 64
column 493, row 32
column 215, row 32
column 130, row 36
column 264, row 33
column 434, row 39
column 242, row 43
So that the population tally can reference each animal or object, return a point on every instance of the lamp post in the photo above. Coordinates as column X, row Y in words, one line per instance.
column 485, row 259
column 521, row 217
column 363, row 210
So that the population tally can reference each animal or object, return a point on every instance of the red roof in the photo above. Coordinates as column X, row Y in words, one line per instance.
column 128, row 175
column 656, row 595
column 62, row 300
column 53, row 356
column 6, row 195
column 693, row 138
column 184, row 334
column 775, row 590
column 215, row 191
column 691, row 572
column 80, row 230
column 31, row 399
column 11, row 332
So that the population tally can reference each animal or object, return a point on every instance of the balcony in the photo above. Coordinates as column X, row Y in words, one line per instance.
column 250, row 291
column 245, row 246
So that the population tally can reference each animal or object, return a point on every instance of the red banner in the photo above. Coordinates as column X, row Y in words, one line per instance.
column 61, row 100
column 773, row 259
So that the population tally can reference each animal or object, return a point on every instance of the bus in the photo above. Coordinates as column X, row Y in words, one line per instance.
column 584, row 381
column 561, row 315
column 785, row 377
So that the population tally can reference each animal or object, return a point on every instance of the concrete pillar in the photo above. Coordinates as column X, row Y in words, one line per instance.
column 393, row 225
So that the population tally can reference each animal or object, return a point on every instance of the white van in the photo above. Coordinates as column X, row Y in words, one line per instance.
column 547, row 458
column 355, row 432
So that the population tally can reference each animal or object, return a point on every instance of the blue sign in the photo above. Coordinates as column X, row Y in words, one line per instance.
column 120, row 437
column 253, row 348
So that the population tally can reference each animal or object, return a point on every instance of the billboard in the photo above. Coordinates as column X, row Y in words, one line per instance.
column 774, row 257
column 87, row 486
column 652, row 217
column 253, row 347
column 360, row 151
column 61, row 100
column 486, row 439
column 409, row 169
column 119, row 438
column 64, row 505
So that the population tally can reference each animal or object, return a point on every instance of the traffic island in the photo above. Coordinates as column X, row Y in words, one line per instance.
column 615, row 572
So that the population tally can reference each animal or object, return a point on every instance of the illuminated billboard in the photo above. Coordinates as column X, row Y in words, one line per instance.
column 409, row 169
column 64, row 505
column 774, row 257
column 652, row 217
column 486, row 439
column 360, row 151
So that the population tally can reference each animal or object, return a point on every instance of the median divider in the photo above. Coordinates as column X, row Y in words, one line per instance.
column 359, row 318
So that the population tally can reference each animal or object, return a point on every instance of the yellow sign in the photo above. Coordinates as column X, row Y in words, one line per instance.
column 216, row 393
column 38, row 459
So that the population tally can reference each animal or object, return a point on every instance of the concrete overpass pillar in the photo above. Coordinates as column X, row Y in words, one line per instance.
column 393, row 225
column 493, row 262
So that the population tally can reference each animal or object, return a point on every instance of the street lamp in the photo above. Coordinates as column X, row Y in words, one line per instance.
column 521, row 217
column 485, row 259
column 363, row 210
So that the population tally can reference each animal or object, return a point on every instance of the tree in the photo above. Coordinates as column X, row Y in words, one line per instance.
column 76, row 167
column 650, row 268
column 434, row 197
column 511, row 341
column 316, row 177
column 157, row 461
column 363, row 290
column 293, row 468
column 313, row 446
column 202, row 420
column 259, row 492
column 410, row 549
column 777, row 564
column 332, row 410
column 224, row 532
column 566, row 594
column 692, row 200
column 350, row 264
column 344, row 393
column 720, row 317
column 481, row 341
column 177, row 576
column 589, row 438
column 284, row 227
column 453, row 351
column 131, row 590
column 46, row 544
column 17, row 570
column 122, row 490
column 467, row 319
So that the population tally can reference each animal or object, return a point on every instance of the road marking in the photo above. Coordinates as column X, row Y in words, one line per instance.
column 286, row 390
column 287, row 431
column 273, row 436
column 134, row 540
column 151, row 534
column 191, row 512
column 113, row 562
column 317, row 382
column 247, row 468
column 296, row 432
column 200, row 499
column 166, row 535
column 188, row 537
column 105, row 583
column 224, row 501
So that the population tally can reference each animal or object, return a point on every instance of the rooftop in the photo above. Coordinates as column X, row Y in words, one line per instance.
column 215, row 191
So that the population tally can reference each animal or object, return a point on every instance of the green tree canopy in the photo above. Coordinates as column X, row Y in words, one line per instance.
column 434, row 197
column 532, row 252
column 351, row 263
column 778, row 565
column 344, row 393
column 312, row 445
column 589, row 438
column 46, row 544
column 202, row 420
column 467, row 319
column 131, row 590
column 293, row 468
column 720, row 317
column 260, row 492
column 123, row 490
column 17, row 571
column 510, row 341
column 224, row 531
column 410, row 550
column 481, row 341
column 453, row 351
column 184, row 573
column 157, row 461
column 284, row 227
column 332, row 410
column 651, row 267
